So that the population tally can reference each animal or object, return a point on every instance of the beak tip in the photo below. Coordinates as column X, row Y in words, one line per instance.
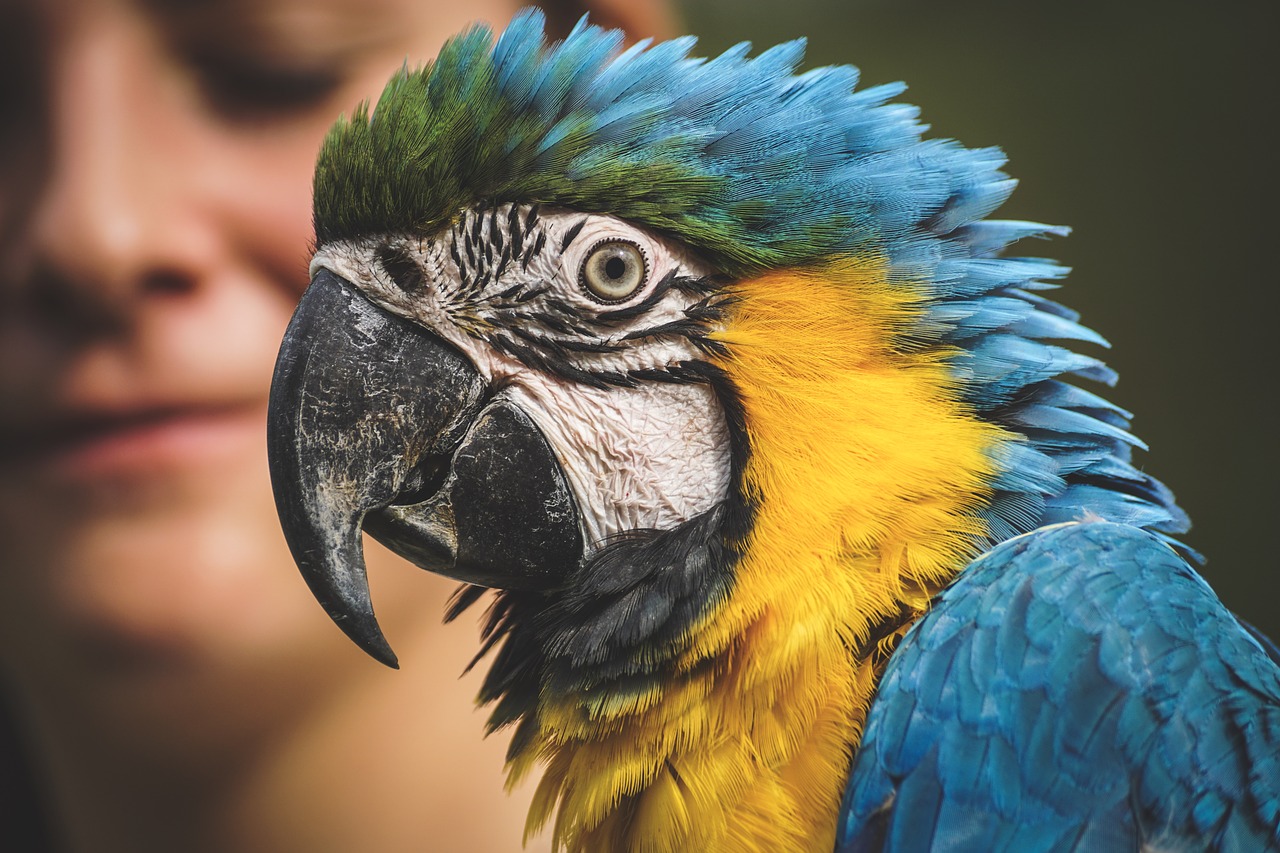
column 367, row 634
column 389, row 659
column 384, row 655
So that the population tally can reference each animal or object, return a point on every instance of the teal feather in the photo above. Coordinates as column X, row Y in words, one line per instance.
column 756, row 167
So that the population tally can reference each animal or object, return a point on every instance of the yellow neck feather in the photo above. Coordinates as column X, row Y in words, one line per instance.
column 866, row 476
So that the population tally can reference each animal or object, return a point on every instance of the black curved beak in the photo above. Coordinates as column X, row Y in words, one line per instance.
column 377, row 423
column 359, row 399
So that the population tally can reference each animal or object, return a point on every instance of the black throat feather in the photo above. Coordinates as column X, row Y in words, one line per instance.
column 619, row 623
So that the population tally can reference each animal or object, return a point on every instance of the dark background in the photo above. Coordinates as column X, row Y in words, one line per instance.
column 1148, row 128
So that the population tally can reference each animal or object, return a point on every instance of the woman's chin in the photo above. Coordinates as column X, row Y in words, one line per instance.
column 154, row 563
column 178, row 571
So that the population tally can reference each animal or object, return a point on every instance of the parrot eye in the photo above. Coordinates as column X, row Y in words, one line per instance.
column 613, row 270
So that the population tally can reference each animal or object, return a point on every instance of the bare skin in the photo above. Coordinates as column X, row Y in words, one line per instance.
column 182, row 689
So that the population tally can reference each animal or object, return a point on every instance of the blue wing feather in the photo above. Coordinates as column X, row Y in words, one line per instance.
column 1077, row 688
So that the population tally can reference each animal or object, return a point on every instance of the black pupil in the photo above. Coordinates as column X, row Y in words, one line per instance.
column 615, row 268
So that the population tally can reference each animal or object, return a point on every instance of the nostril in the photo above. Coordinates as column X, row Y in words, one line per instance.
column 80, row 304
column 54, row 303
column 168, row 282
column 51, row 300
column 400, row 268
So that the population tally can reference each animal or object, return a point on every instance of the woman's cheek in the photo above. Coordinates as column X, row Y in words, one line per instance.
column 265, row 202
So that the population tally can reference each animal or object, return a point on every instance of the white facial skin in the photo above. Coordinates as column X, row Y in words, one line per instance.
column 155, row 170
column 644, row 457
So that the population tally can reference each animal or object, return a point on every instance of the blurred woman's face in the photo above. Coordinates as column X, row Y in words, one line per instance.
column 155, row 163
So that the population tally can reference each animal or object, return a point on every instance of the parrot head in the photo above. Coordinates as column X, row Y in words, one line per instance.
column 716, row 372
column 497, row 401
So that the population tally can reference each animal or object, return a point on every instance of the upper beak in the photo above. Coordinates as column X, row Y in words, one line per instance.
column 377, row 423
column 359, row 399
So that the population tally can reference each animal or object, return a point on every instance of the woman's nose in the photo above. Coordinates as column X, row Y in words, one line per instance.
column 114, row 218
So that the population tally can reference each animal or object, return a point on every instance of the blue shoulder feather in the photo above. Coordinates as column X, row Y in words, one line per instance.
column 1077, row 688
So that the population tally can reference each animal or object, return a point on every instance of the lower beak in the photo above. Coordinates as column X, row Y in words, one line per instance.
column 377, row 423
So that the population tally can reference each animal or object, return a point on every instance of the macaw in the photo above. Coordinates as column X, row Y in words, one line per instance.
column 801, row 534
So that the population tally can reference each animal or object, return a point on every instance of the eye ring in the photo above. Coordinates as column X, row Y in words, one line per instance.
column 613, row 270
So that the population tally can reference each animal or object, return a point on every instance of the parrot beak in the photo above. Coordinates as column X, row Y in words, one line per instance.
column 358, row 399
column 376, row 423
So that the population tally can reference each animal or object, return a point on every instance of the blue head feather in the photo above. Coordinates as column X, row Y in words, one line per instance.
column 758, row 167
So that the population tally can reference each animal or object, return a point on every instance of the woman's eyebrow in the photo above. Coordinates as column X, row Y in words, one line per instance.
column 306, row 31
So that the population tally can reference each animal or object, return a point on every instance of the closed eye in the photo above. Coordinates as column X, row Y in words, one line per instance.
column 244, row 88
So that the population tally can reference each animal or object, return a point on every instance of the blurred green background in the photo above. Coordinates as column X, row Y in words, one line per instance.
column 1148, row 128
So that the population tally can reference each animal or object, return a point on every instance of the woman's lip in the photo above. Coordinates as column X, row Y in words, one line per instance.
column 96, row 446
